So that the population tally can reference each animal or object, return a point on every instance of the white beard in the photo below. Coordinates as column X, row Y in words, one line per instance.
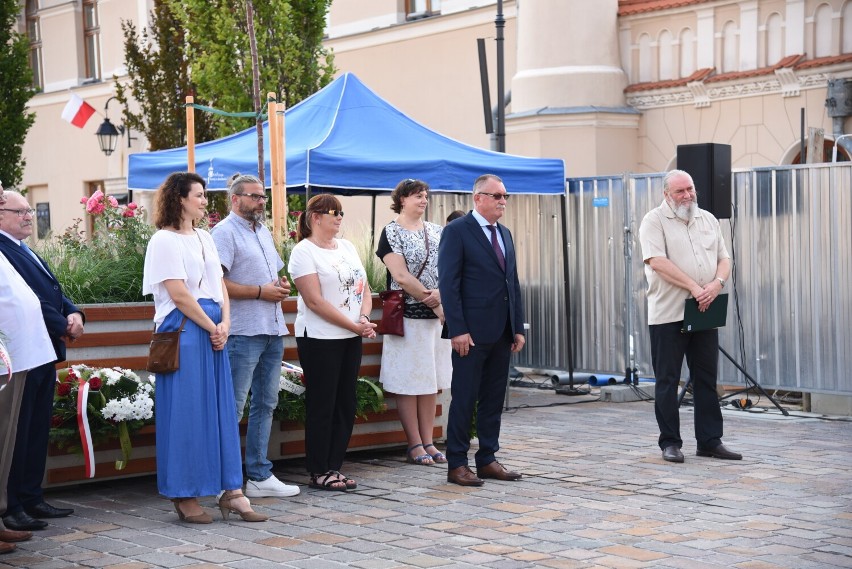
column 686, row 212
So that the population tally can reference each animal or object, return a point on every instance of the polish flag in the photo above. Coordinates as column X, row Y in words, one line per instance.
column 77, row 111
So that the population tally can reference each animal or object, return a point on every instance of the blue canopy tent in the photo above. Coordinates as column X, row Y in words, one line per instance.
column 346, row 139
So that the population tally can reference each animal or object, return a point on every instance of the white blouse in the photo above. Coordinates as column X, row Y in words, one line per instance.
column 190, row 258
column 22, row 322
column 342, row 283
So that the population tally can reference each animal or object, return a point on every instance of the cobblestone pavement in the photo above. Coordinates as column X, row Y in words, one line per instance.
column 595, row 494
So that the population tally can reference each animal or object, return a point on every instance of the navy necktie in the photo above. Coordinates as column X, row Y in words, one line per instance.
column 496, row 246
column 33, row 255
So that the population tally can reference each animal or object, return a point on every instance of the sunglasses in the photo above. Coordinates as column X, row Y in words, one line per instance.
column 334, row 212
column 497, row 197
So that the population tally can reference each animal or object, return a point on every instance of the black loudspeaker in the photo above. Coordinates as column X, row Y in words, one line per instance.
column 709, row 165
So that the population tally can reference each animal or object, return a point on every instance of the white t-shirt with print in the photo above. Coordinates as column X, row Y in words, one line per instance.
column 342, row 283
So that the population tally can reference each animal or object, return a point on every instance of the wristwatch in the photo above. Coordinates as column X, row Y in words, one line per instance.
column 721, row 281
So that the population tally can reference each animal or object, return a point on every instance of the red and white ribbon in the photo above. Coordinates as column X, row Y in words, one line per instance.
column 83, row 427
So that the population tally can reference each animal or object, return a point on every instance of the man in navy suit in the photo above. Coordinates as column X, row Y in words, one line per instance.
column 63, row 320
column 478, row 280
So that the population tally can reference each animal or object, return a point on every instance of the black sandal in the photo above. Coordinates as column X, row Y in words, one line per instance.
column 350, row 483
column 330, row 481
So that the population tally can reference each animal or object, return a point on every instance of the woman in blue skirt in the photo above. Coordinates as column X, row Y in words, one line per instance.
column 198, row 440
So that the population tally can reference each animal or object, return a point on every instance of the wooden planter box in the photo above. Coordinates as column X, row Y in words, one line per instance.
column 118, row 335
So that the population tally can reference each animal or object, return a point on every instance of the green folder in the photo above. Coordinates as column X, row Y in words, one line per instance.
column 714, row 317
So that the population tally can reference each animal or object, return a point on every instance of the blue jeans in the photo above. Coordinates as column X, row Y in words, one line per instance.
column 256, row 365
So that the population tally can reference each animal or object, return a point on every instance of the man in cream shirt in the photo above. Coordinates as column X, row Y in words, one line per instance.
column 27, row 345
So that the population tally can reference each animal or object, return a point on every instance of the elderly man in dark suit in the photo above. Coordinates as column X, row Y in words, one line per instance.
column 478, row 280
column 26, row 503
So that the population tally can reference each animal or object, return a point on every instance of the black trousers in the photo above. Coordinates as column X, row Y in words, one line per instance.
column 331, row 370
column 30, row 458
column 668, row 348
column 479, row 382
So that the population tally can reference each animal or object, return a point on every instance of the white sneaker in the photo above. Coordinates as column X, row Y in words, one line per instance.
column 270, row 488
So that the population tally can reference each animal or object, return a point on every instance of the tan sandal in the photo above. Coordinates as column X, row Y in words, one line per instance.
column 226, row 508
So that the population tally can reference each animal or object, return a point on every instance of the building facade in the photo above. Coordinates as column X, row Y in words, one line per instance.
column 610, row 86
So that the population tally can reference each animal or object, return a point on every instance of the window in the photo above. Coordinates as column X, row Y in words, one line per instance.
column 774, row 40
column 416, row 9
column 822, row 31
column 34, row 36
column 729, row 48
column 666, row 55
column 687, row 53
column 91, row 40
column 644, row 58
column 847, row 28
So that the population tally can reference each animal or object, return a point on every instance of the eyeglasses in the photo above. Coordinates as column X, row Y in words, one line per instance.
column 334, row 212
column 497, row 197
column 255, row 197
column 19, row 212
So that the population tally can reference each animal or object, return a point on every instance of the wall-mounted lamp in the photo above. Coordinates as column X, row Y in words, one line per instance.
column 108, row 133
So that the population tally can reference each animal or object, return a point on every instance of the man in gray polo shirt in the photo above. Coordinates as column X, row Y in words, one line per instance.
column 255, row 343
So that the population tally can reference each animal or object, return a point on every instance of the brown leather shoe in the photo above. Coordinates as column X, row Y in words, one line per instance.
column 497, row 471
column 11, row 536
column 463, row 476
column 719, row 452
column 6, row 547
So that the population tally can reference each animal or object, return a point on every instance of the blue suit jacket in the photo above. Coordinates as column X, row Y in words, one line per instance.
column 478, row 296
column 55, row 306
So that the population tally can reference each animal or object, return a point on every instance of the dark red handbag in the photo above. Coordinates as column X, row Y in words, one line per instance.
column 393, row 307
column 393, row 302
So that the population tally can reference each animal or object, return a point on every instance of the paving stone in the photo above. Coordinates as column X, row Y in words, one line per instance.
column 779, row 507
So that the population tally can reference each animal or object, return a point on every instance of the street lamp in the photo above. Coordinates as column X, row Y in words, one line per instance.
column 108, row 133
column 834, row 150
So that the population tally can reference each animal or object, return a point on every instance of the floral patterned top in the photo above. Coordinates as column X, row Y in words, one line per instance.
column 412, row 246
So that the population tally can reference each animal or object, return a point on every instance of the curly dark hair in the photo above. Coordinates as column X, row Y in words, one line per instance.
column 167, row 208
column 320, row 204
column 404, row 189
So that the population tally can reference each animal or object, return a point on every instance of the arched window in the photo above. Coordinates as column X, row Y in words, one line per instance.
column 774, row 39
column 729, row 47
column 34, row 37
column 687, row 53
column 822, row 31
column 665, row 56
column 644, row 58
column 847, row 28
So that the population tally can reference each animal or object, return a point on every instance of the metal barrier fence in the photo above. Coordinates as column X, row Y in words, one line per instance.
column 790, row 309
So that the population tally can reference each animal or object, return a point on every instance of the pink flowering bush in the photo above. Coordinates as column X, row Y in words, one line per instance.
column 105, row 266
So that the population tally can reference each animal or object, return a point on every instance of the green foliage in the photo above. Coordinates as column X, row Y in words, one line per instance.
column 108, row 267
column 292, row 61
column 159, row 71
column 16, row 87
column 369, row 398
column 375, row 269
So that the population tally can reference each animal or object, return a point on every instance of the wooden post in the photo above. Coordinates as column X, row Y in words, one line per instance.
column 279, row 195
column 273, row 164
column 190, row 135
column 816, row 142
column 282, row 160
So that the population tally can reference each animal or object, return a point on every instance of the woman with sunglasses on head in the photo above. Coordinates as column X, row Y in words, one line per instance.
column 415, row 366
column 331, row 321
